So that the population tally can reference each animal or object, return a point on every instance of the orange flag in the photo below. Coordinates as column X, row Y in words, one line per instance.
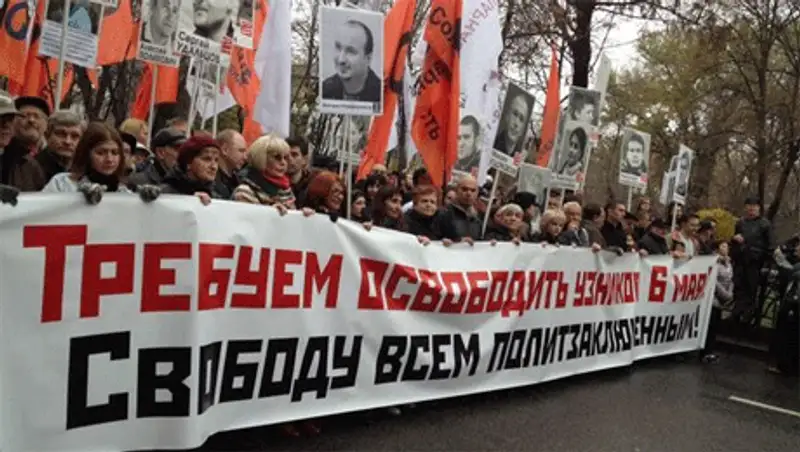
column 14, row 28
column 397, row 33
column 119, row 35
column 166, row 89
column 552, row 108
column 141, row 103
column 39, row 78
column 436, row 114
column 242, row 77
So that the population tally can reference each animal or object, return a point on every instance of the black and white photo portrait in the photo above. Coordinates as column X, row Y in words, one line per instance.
column 351, row 61
column 371, row 5
column 160, row 21
column 634, row 158
column 574, row 150
column 584, row 105
column 683, row 172
column 469, row 139
column 216, row 20
column 533, row 179
column 513, row 125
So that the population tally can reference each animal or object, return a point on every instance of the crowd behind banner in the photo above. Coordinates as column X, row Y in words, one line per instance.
column 233, row 314
column 475, row 179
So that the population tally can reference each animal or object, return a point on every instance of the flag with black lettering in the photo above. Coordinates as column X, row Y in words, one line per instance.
column 436, row 116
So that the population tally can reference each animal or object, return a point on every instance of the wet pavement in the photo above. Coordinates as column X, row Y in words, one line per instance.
column 667, row 404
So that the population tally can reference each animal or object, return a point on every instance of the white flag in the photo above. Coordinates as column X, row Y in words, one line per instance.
column 273, row 104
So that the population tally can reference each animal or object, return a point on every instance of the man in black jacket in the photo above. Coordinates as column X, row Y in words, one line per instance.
column 64, row 130
column 614, row 229
column 752, row 245
column 460, row 220
column 654, row 242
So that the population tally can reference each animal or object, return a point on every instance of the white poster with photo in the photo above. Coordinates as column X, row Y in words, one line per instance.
column 668, row 182
column 511, row 137
column 159, row 27
column 82, row 32
column 201, row 81
column 533, row 179
column 356, row 140
column 470, row 138
column 574, row 150
column 204, row 28
column 371, row 5
column 634, row 158
column 682, row 174
column 351, row 62
column 584, row 105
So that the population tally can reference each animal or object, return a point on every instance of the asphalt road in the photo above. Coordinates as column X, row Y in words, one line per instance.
column 668, row 404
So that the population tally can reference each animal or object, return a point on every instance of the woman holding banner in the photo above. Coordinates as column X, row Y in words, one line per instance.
column 196, row 170
column 265, row 181
column 98, row 166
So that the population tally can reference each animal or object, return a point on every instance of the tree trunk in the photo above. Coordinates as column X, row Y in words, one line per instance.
column 581, row 43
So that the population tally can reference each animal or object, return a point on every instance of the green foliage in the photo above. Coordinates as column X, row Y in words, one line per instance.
column 726, row 221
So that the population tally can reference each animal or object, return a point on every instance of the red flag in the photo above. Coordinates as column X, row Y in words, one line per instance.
column 397, row 32
column 552, row 108
column 41, row 73
column 242, row 79
column 436, row 115
column 141, row 103
column 14, row 28
column 166, row 89
column 119, row 35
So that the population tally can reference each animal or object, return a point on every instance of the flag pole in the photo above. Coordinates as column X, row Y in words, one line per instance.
column 349, row 181
column 151, row 117
column 217, row 83
column 62, row 55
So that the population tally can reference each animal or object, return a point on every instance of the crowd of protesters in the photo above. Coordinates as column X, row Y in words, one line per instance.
column 57, row 152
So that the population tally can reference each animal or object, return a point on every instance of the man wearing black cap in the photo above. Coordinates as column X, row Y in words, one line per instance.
column 165, row 147
column 752, row 244
column 654, row 241
column 31, row 129
column 18, row 168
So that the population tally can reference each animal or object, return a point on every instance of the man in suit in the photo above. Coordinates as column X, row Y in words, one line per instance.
column 354, row 79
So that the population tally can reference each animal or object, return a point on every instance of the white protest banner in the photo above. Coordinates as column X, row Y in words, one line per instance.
column 153, row 326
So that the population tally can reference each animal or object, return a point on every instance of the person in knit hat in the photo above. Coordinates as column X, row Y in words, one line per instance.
column 196, row 170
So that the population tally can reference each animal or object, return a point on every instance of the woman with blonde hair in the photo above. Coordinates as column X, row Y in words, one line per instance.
column 508, row 225
column 551, row 225
column 135, row 127
column 265, row 180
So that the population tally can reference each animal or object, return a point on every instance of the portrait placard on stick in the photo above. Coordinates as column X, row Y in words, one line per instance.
column 574, row 149
column 351, row 62
column 159, row 26
column 510, row 143
column 634, row 158
column 682, row 174
column 82, row 32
